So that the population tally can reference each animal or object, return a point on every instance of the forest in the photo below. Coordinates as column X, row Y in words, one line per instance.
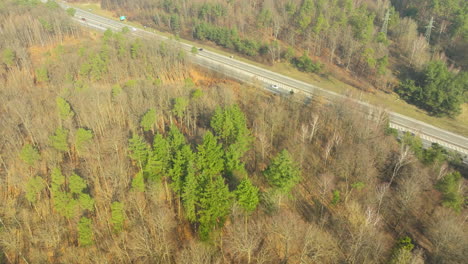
column 370, row 44
column 119, row 150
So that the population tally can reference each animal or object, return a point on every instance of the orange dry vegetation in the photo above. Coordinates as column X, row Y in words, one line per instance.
column 37, row 52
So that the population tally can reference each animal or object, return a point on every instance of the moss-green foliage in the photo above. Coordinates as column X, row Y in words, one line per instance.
column 402, row 251
column 179, row 106
column 435, row 154
column 230, row 127
column 176, row 140
column 125, row 30
column 195, row 94
column 71, row 11
column 304, row 18
column 449, row 185
column 215, row 203
column 64, row 108
column 282, row 173
column 436, row 89
column 138, row 149
column 210, row 156
column 85, row 202
column 158, row 159
column 190, row 191
column 34, row 187
column 30, row 155
column 83, row 136
column 116, row 91
column 179, row 169
column 414, row 143
column 148, row 119
column 57, row 179
column 96, row 65
column 336, row 197
column 69, row 200
column 226, row 37
column 42, row 75
column 138, row 182
column 76, row 184
column 247, row 195
column 305, row 64
column 59, row 140
column 85, row 232
column 8, row 57
column 118, row 218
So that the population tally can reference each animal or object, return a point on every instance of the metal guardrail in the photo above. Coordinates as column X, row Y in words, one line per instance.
column 235, row 70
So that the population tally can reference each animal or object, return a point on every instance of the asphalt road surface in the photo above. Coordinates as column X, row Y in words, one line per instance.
column 250, row 73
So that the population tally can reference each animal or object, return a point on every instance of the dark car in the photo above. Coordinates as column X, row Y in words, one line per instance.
column 200, row 49
column 84, row 19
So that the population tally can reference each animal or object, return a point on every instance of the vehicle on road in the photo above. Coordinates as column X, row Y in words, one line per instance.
column 84, row 19
column 200, row 49
column 134, row 29
column 274, row 86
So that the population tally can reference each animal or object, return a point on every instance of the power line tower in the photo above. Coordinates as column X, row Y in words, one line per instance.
column 428, row 30
column 385, row 23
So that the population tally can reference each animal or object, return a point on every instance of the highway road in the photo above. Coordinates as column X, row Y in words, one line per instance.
column 250, row 73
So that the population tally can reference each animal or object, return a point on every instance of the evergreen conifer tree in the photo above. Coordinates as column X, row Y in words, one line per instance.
column 138, row 150
column 215, row 204
column 190, row 193
column 176, row 140
column 29, row 155
column 82, row 137
column 59, row 139
column 76, row 184
column 117, row 210
column 247, row 195
column 138, row 183
column 34, row 187
column 148, row 120
column 85, row 232
column 283, row 173
column 158, row 159
column 210, row 156
column 64, row 108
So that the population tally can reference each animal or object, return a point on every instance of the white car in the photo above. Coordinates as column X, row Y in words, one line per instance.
column 134, row 29
column 274, row 86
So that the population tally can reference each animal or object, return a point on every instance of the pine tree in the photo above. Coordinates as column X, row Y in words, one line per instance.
column 179, row 106
column 59, row 139
column 29, row 155
column 230, row 127
column 247, row 195
column 86, row 202
column 138, row 150
column 190, row 193
column 138, row 183
column 57, row 179
column 178, row 171
column 210, row 156
column 158, row 160
column 215, row 204
column 85, row 232
column 282, row 173
column 76, row 184
column 176, row 140
column 34, row 187
column 148, row 119
column 82, row 137
column 68, row 203
column 117, row 210
column 64, row 108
